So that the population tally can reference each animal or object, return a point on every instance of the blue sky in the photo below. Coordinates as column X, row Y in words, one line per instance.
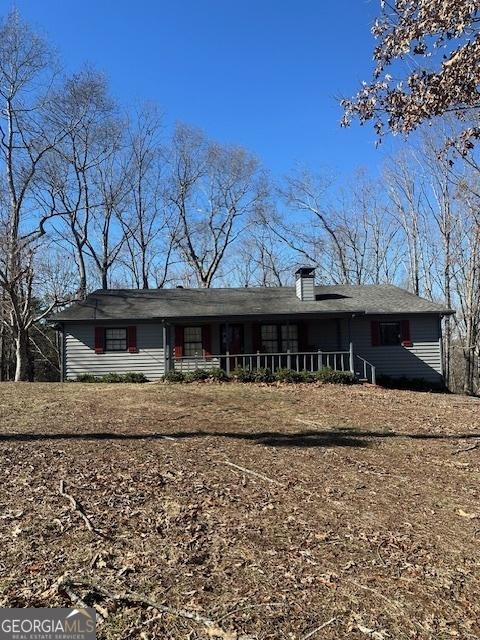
column 261, row 73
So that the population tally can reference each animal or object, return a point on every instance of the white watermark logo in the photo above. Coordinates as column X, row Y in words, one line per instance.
column 47, row 624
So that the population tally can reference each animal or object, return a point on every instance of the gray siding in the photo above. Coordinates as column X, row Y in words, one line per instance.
column 80, row 356
column 422, row 360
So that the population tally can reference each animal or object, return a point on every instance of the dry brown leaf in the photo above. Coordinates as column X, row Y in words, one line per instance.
column 470, row 516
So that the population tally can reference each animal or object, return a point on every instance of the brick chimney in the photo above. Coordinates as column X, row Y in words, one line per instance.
column 305, row 284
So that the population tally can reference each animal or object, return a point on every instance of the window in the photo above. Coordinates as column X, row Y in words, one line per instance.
column 279, row 338
column 115, row 339
column 192, row 341
column 289, row 337
column 269, row 338
column 390, row 333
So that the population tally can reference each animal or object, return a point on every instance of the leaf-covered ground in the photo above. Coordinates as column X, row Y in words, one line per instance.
column 243, row 511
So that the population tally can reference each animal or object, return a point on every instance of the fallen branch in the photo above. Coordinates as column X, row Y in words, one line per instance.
column 252, row 606
column 78, row 601
column 392, row 603
column 76, row 506
column 322, row 626
column 262, row 476
column 75, row 598
column 253, row 473
column 136, row 599
column 470, row 448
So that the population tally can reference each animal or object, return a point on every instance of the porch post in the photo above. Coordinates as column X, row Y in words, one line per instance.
column 61, row 350
column 227, row 348
column 166, row 347
column 352, row 367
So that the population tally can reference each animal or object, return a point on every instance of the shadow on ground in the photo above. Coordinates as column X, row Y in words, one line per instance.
column 336, row 437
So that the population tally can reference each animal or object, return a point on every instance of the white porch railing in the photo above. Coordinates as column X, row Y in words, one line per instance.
column 365, row 370
column 298, row 361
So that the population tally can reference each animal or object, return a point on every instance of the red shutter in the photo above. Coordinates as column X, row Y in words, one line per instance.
column 405, row 333
column 207, row 340
column 256, row 337
column 375, row 331
column 178, row 342
column 132, row 339
column 99, row 339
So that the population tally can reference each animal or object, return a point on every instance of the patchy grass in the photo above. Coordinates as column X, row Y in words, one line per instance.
column 268, row 510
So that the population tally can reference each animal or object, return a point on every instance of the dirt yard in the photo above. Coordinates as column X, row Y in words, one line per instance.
column 243, row 512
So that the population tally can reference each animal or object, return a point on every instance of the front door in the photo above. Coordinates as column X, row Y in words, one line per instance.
column 231, row 338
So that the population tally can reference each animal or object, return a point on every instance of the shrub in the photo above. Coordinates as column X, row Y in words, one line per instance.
column 307, row 376
column 87, row 377
column 243, row 375
column 410, row 384
column 335, row 377
column 252, row 375
column 174, row 376
column 137, row 378
column 217, row 374
column 288, row 375
column 262, row 375
column 292, row 376
column 197, row 375
column 112, row 377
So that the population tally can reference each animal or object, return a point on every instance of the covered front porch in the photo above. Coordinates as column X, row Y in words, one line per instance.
column 302, row 345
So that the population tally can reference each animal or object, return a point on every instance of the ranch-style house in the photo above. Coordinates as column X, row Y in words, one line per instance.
column 370, row 330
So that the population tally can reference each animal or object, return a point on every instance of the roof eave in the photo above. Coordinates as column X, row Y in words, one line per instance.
column 245, row 316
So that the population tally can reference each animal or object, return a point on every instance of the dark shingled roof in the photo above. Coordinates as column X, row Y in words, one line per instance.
column 134, row 304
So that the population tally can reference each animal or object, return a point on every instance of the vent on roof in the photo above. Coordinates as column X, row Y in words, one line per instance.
column 305, row 284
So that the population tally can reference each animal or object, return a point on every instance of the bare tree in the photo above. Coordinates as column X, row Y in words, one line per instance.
column 85, row 110
column 148, row 242
column 110, row 184
column 27, row 136
column 440, row 198
column 347, row 233
column 212, row 193
column 262, row 260
column 466, row 279
column 406, row 197
column 316, row 237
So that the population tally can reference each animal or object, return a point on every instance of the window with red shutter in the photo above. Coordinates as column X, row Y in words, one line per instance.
column 99, row 339
column 115, row 339
column 207, row 340
column 132, row 339
column 405, row 333
column 178, row 342
column 192, row 342
column 389, row 333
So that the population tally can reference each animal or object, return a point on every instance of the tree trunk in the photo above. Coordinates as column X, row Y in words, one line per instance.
column 2, row 353
column 30, row 361
column 21, row 355
column 468, row 374
column 2, row 346
column 82, row 276
column 104, row 274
